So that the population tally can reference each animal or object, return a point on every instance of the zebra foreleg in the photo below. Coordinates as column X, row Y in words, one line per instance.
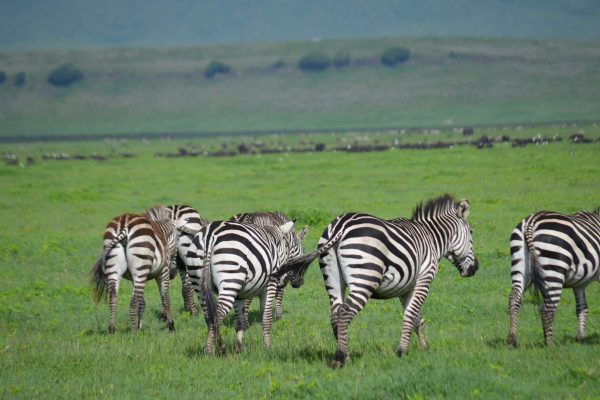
column 163, row 281
column 279, row 302
column 582, row 311
column 412, row 314
column 266, row 305
column 187, row 293
column 419, row 324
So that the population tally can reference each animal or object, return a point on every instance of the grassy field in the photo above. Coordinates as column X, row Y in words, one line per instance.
column 53, row 340
column 446, row 82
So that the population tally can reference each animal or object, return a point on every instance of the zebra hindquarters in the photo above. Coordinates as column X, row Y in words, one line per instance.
column 520, row 273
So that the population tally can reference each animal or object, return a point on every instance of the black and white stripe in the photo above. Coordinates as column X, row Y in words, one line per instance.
column 554, row 251
column 188, row 221
column 372, row 257
column 138, row 248
column 295, row 248
column 237, row 261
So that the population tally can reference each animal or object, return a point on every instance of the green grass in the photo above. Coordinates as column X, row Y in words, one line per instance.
column 53, row 340
column 447, row 82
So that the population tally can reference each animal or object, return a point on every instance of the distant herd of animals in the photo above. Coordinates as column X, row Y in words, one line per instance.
column 484, row 142
column 360, row 257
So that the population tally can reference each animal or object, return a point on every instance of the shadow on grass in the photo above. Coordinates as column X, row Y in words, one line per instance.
column 500, row 342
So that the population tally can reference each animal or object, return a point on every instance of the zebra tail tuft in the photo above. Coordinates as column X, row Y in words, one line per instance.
column 98, row 278
column 206, row 293
column 538, row 290
column 297, row 263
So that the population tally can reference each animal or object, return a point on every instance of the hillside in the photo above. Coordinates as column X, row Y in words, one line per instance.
column 36, row 24
column 446, row 83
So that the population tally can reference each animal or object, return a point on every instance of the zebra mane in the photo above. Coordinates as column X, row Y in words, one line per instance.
column 158, row 213
column 434, row 208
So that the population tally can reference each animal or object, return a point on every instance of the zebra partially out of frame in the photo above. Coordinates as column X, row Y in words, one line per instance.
column 383, row 259
column 554, row 251
column 138, row 248
column 188, row 221
column 237, row 261
column 294, row 249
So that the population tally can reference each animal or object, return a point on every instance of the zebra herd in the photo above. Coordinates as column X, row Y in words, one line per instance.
column 360, row 257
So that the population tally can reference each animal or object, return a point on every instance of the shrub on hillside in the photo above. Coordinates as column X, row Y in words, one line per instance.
column 2, row 77
column 314, row 62
column 394, row 56
column 20, row 79
column 65, row 75
column 216, row 67
column 341, row 59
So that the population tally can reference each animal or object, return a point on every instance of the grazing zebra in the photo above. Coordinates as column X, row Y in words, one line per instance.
column 295, row 247
column 237, row 262
column 385, row 259
column 554, row 251
column 138, row 248
column 188, row 221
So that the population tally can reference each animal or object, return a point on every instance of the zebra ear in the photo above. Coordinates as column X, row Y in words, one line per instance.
column 303, row 233
column 287, row 227
column 463, row 208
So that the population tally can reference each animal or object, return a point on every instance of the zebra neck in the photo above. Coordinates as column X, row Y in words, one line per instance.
column 435, row 237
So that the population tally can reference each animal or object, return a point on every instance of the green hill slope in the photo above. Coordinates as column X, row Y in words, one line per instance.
column 447, row 82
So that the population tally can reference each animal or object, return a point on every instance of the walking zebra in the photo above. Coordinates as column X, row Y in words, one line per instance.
column 238, row 261
column 138, row 248
column 385, row 259
column 554, row 251
column 295, row 248
column 188, row 221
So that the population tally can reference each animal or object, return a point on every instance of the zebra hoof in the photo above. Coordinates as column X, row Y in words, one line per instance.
column 111, row 329
column 336, row 364
column 171, row 326
column 580, row 338
column 401, row 353
column 512, row 341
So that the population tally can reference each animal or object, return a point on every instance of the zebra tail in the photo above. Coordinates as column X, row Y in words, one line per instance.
column 97, row 276
column 206, row 292
column 299, row 263
column 533, row 267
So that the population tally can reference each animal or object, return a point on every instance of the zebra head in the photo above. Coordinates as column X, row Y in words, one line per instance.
column 295, row 249
column 460, row 251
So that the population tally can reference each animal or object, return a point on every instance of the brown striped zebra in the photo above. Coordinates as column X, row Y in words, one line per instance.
column 294, row 249
column 138, row 248
column 188, row 221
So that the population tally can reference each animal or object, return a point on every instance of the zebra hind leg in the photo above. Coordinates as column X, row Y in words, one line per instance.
column 267, row 313
column 187, row 292
column 141, row 309
column 163, row 281
column 345, row 313
column 514, row 305
column 113, row 289
column 582, row 312
column 241, row 322
column 136, row 299
column 548, row 312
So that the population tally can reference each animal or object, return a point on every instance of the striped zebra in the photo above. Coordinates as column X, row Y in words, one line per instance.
column 188, row 221
column 138, row 248
column 294, row 250
column 237, row 261
column 554, row 251
column 383, row 259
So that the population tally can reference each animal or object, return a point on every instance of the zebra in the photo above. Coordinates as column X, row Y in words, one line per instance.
column 136, row 247
column 383, row 259
column 237, row 261
column 295, row 248
column 554, row 251
column 188, row 221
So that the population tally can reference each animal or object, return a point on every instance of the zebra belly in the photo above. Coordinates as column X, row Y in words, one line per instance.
column 582, row 275
column 392, row 285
